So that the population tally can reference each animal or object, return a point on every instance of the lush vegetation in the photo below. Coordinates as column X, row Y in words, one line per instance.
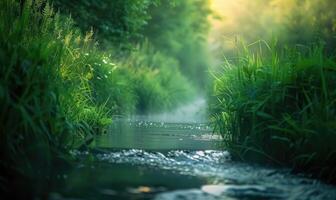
column 59, row 87
column 274, row 99
column 118, row 23
column 179, row 33
column 280, row 108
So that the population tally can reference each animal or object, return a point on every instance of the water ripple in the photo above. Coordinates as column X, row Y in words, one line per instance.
column 226, row 178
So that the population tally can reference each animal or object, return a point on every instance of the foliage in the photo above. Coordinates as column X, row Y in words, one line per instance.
column 119, row 22
column 158, row 83
column 279, row 106
column 179, row 32
column 144, row 81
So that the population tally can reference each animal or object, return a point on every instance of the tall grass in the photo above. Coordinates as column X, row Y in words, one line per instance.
column 46, row 99
column 29, row 97
column 279, row 105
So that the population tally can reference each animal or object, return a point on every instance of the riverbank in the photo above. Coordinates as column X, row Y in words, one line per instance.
column 277, row 105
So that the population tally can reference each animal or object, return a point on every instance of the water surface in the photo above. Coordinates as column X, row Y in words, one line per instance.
column 163, row 157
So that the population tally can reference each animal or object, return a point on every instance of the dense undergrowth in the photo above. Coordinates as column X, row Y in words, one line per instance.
column 278, row 105
column 58, row 89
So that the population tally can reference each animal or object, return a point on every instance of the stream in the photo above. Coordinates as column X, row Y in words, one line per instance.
column 176, row 156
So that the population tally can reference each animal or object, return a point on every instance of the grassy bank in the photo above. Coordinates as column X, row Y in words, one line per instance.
column 278, row 105
column 57, row 89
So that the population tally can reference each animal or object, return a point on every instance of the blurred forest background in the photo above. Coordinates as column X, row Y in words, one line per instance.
column 289, row 22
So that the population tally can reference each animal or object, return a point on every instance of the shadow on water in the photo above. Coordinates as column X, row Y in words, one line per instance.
column 175, row 156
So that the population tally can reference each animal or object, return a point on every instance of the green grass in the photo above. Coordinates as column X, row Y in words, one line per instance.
column 33, row 128
column 278, row 105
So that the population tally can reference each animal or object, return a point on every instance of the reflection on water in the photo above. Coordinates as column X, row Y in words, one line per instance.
column 160, row 160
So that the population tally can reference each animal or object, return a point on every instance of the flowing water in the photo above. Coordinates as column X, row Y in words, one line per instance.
column 176, row 156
